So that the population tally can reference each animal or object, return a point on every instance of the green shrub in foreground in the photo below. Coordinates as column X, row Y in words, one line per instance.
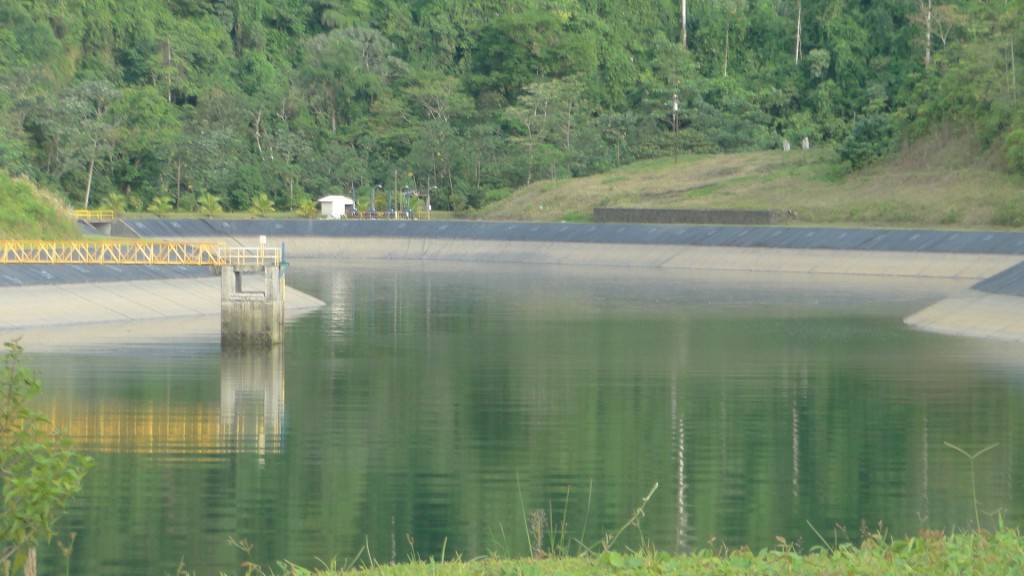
column 40, row 472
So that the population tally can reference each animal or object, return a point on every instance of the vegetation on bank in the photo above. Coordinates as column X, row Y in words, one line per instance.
column 980, row 553
column 40, row 471
column 30, row 212
column 164, row 102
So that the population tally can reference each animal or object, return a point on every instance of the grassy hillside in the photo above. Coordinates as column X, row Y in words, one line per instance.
column 945, row 180
column 30, row 213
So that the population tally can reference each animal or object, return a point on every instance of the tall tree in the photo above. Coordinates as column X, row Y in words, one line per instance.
column 682, row 23
column 546, row 118
column 530, row 121
column 443, row 106
column 344, row 72
column 343, row 13
column 799, row 30
column 148, row 125
column 190, row 155
column 516, row 50
column 927, row 17
column 91, row 130
column 723, row 26
column 288, row 150
column 247, row 29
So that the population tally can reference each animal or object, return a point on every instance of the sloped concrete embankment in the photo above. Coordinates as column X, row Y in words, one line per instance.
column 994, row 307
column 41, row 303
column 42, row 315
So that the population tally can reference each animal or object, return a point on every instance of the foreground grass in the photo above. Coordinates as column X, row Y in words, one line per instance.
column 978, row 553
column 944, row 180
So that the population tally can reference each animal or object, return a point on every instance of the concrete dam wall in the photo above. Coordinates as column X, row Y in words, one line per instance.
column 989, row 263
column 992, row 307
column 916, row 253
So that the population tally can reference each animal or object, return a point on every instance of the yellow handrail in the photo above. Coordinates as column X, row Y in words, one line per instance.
column 260, row 256
column 143, row 253
column 79, row 252
column 95, row 215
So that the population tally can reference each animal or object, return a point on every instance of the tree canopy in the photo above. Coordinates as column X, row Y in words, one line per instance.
column 292, row 99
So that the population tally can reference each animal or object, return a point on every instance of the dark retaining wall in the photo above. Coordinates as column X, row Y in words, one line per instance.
column 1009, row 282
column 954, row 242
column 672, row 216
column 35, row 274
column 742, row 236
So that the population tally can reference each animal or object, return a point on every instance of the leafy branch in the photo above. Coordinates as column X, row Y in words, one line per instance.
column 40, row 472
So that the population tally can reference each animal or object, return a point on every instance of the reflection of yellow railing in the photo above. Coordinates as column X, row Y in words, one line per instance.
column 95, row 215
column 151, row 253
column 153, row 428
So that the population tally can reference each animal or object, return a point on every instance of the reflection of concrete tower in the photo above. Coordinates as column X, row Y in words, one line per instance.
column 679, row 434
column 679, row 361
column 924, row 464
column 683, row 525
column 252, row 398
column 795, row 428
column 796, row 388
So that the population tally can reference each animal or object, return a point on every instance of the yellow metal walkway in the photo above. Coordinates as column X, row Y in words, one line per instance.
column 128, row 252
column 95, row 215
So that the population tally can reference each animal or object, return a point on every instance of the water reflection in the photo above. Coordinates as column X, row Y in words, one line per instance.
column 249, row 418
column 439, row 404
column 139, row 427
column 252, row 399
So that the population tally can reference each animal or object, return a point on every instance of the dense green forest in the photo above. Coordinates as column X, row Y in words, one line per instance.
column 142, row 102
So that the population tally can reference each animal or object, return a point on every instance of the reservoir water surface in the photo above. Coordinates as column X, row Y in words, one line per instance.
column 434, row 409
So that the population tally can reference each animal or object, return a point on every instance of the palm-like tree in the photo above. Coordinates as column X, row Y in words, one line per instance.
column 116, row 203
column 262, row 205
column 307, row 208
column 209, row 205
column 161, row 206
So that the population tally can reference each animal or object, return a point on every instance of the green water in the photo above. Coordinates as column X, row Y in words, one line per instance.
column 435, row 407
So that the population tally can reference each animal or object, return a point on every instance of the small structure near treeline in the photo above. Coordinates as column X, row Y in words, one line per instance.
column 336, row 207
column 805, row 144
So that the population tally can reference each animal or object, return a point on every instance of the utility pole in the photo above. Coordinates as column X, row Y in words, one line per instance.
column 675, row 127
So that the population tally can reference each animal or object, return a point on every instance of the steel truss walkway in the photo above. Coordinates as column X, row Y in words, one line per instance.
column 141, row 253
column 95, row 215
